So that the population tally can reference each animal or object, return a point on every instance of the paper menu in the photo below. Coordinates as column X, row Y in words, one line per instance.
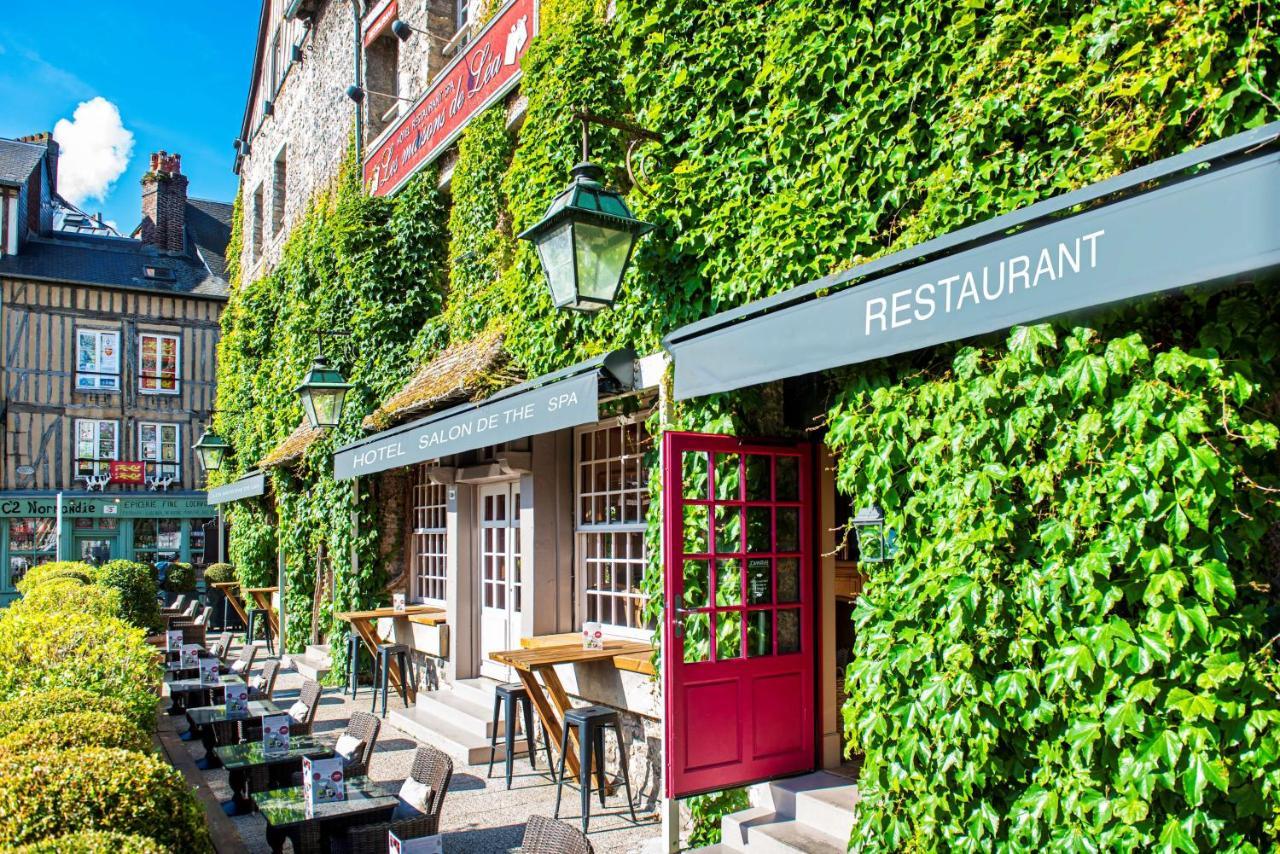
column 418, row 845
column 173, row 640
column 190, row 659
column 209, row 675
column 397, row 602
column 275, row 734
column 322, row 782
column 592, row 636
column 237, row 701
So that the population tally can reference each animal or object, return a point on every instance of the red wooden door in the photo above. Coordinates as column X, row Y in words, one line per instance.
column 739, row 625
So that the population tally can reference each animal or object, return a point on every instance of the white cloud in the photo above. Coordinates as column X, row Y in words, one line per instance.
column 95, row 151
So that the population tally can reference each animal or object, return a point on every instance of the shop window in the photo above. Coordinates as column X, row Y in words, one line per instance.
column 97, row 444
column 157, row 539
column 31, row 543
column 159, row 362
column 612, row 503
column 430, row 515
column 158, row 449
column 97, row 360
column 197, row 542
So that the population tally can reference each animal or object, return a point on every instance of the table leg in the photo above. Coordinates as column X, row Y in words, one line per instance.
column 550, row 720
column 561, row 698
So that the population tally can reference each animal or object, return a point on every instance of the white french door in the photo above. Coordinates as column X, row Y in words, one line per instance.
column 500, row 574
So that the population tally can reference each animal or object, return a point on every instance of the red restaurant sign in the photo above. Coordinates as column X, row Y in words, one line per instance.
column 122, row 472
column 484, row 72
column 381, row 19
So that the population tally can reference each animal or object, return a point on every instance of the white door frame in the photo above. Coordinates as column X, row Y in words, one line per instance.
column 498, row 572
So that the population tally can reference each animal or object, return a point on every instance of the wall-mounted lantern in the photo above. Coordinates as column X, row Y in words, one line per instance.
column 876, row 544
column 323, row 390
column 587, row 235
column 211, row 450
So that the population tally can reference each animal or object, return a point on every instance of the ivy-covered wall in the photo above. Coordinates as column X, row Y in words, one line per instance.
column 801, row 137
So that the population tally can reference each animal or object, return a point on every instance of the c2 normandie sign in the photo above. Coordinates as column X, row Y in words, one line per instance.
column 486, row 70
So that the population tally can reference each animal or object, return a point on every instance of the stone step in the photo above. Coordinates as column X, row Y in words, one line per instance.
column 447, row 736
column 828, row 810
column 462, row 712
column 310, row 668
column 735, row 827
column 320, row 652
column 791, row 836
column 478, row 690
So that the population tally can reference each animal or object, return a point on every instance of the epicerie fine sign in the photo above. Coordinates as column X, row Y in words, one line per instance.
column 567, row 403
column 125, row 507
column 486, row 70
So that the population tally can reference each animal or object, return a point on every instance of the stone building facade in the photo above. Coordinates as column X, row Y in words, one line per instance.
column 299, row 119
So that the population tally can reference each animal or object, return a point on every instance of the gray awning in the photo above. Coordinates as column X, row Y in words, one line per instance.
column 250, row 486
column 1154, row 229
column 562, row 399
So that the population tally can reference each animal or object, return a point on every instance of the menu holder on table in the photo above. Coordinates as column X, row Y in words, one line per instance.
column 420, row 845
column 190, row 657
column 173, row 641
column 322, row 783
column 275, row 735
column 209, row 676
column 237, row 701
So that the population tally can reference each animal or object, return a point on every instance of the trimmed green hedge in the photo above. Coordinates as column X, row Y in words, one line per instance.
column 72, row 650
column 73, row 730
column 137, row 585
column 41, row 705
column 62, row 594
column 47, row 792
column 93, row 842
column 180, row 578
column 219, row 573
column 72, row 569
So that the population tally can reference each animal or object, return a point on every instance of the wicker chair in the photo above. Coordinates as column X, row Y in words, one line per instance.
column 221, row 647
column 430, row 766
column 248, row 653
column 544, row 835
column 177, row 607
column 365, row 727
column 310, row 697
column 263, row 686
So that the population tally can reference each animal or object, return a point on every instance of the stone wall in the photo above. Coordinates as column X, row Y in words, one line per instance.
column 312, row 119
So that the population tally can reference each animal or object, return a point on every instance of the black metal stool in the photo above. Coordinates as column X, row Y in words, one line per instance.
column 254, row 615
column 591, row 722
column 354, row 645
column 507, row 699
column 381, row 669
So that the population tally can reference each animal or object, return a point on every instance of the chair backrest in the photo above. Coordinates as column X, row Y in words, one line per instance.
column 267, row 680
column 365, row 727
column 435, row 769
column 203, row 619
column 222, row 646
column 248, row 653
column 309, row 696
column 179, row 603
column 191, row 609
column 544, row 835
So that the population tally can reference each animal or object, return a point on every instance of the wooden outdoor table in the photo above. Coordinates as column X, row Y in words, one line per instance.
column 262, row 599
column 365, row 624
column 227, row 588
column 542, row 661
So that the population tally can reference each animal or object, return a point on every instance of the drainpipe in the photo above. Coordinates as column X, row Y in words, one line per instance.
column 357, row 47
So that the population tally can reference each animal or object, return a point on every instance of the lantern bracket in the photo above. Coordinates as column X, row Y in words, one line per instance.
column 637, row 136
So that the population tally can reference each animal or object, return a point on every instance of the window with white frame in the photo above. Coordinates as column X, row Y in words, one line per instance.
column 429, row 554
column 611, row 506
column 158, row 359
column 97, row 445
column 158, row 449
column 97, row 360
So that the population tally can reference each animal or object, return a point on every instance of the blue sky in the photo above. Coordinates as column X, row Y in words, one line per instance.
column 177, row 73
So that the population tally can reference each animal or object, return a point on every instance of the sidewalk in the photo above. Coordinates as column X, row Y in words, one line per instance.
column 480, row 816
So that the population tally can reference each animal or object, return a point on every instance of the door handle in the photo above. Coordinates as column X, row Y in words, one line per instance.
column 679, row 623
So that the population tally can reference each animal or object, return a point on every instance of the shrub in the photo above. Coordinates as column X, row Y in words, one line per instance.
column 98, row 788
column 15, row 713
column 69, row 594
column 38, row 575
column 137, row 585
column 219, row 573
column 180, row 578
column 74, row 730
column 93, row 842
column 100, row 654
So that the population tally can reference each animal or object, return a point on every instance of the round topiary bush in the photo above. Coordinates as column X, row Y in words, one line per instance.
column 219, row 573
column 40, row 705
column 45, row 792
column 137, row 585
column 93, row 842
column 74, row 730
column 180, row 578
column 70, row 594
column 103, row 655
column 72, row 569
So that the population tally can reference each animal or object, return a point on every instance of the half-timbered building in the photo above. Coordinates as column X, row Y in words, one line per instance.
column 107, row 353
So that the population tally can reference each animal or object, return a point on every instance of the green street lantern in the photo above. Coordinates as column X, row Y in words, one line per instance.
column 585, row 241
column 323, row 390
column 211, row 450
column 875, row 543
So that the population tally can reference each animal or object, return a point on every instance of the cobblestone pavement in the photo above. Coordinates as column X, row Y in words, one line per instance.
column 480, row 816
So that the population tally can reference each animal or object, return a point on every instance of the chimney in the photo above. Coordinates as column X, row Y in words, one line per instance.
column 164, row 203
column 46, row 139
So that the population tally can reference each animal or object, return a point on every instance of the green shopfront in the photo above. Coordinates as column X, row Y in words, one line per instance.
column 97, row 528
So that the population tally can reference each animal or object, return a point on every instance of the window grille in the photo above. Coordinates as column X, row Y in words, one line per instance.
column 429, row 538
